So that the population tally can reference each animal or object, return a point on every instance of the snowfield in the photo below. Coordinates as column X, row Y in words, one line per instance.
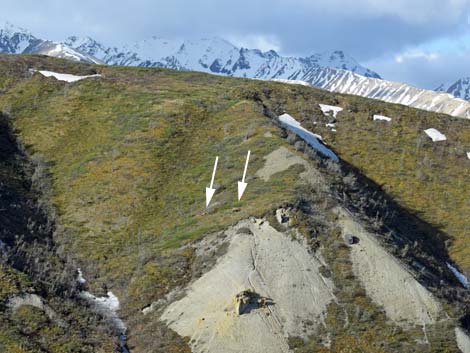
column 107, row 306
column 435, row 135
column 80, row 278
column 460, row 276
column 327, row 109
column 291, row 82
column 312, row 139
column 64, row 77
column 381, row 117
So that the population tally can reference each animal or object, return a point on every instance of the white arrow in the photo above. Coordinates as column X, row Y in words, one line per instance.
column 241, row 184
column 210, row 190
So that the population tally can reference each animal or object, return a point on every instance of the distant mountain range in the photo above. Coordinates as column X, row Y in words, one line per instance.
column 343, row 81
column 216, row 55
column 334, row 71
column 15, row 40
column 459, row 88
column 212, row 55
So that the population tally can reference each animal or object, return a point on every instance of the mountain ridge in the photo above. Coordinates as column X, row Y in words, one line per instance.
column 211, row 54
column 459, row 88
column 334, row 71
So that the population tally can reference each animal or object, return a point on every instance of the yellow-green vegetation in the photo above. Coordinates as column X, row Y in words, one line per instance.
column 11, row 282
column 28, row 329
column 131, row 164
column 30, row 269
column 130, row 154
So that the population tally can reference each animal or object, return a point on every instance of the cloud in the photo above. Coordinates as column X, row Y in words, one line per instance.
column 423, row 72
column 365, row 28
column 262, row 42
column 415, row 54
column 409, row 11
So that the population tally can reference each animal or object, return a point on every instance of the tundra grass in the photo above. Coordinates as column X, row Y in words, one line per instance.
column 130, row 155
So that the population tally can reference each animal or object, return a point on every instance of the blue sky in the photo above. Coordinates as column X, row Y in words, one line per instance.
column 424, row 42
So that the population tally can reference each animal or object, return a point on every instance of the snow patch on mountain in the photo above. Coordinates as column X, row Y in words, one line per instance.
column 327, row 109
column 460, row 276
column 381, row 117
column 291, row 82
column 64, row 77
column 312, row 139
column 435, row 135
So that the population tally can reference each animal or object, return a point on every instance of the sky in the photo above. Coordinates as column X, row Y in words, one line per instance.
column 422, row 42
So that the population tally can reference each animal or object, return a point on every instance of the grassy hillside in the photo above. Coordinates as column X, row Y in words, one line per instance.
column 428, row 178
column 128, row 157
column 131, row 155
column 34, row 270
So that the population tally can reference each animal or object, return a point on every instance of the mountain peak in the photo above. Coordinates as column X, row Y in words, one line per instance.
column 459, row 88
column 10, row 29
column 210, row 54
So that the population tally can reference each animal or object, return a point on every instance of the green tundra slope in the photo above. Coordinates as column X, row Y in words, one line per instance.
column 52, row 321
column 121, row 163
column 428, row 178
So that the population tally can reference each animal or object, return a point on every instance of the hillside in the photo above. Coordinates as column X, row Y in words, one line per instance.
column 317, row 256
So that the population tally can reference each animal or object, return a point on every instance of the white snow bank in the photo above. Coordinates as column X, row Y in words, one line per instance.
column 435, row 135
column 291, row 82
column 111, row 302
column 108, row 306
column 80, row 278
column 327, row 109
column 309, row 137
column 64, row 77
column 381, row 117
column 330, row 125
column 468, row 155
column 460, row 276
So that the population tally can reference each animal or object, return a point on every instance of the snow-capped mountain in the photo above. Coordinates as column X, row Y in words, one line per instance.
column 212, row 55
column 333, row 71
column 343, row 81
column 15, row 40
column 215, row 55
column 459, row 88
